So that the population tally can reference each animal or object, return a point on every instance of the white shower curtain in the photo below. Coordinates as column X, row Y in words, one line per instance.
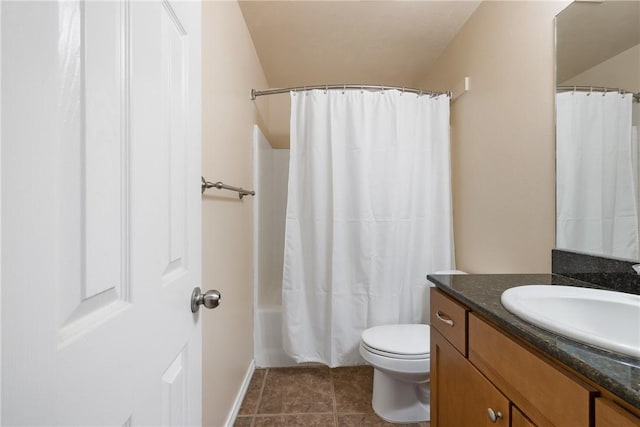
column 368, row 217
column 597, row 190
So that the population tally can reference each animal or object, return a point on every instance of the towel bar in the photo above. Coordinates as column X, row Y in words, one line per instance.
column 220, row 186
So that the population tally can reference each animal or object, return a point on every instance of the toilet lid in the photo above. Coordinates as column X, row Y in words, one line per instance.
column 399, row 339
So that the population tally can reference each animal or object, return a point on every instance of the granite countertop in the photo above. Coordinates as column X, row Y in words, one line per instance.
column 481, row 293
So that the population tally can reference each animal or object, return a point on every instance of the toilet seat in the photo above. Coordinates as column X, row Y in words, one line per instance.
column 407, row 342
column 423, row 356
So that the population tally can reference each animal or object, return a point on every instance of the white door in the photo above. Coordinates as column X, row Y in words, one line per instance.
column 100, row 213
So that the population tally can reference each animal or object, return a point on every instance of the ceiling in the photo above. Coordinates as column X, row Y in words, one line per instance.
column 304, row 43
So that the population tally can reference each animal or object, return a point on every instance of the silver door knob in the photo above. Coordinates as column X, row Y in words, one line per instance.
column 210, row 299
column 494, row 416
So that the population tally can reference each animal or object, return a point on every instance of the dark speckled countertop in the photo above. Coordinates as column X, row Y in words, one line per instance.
column 481, row 293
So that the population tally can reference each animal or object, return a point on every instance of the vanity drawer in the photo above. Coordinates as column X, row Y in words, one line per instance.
column 450, row 319
column 549, row 396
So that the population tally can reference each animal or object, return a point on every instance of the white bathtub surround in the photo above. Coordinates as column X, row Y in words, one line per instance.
column 597, row 184
column 271, row 172
column 268, row 348
column 368, row 216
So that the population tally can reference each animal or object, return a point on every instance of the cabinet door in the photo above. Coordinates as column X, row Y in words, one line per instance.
column 460, row 395
column 608, row 414
column 518, row 419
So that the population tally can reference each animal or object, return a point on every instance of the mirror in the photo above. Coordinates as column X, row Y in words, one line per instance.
column 597, row 122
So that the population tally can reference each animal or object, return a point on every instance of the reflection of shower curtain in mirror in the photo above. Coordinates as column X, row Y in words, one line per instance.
column 597, row 169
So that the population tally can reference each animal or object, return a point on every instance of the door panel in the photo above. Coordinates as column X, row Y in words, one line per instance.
column 101, row 213
column 96, row 182
column 174, row 392
column 174, row 63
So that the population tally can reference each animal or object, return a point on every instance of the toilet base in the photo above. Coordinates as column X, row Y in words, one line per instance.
column 398, row 401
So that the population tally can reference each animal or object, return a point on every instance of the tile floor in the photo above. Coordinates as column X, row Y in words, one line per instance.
column 311, row 396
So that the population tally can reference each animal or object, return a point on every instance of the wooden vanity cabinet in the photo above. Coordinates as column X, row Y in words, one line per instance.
column 492, row 372
column 464, row 395
column 608, row 414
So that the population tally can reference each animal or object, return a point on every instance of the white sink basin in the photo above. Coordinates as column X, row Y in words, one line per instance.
column 606, row 319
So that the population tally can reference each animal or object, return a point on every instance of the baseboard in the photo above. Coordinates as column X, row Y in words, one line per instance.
column 241, row 393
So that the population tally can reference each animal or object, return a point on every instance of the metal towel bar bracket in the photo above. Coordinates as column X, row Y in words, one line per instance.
column 220, row 186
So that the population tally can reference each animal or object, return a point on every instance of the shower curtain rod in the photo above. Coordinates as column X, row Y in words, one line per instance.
column 256, row 93
column 636, row 96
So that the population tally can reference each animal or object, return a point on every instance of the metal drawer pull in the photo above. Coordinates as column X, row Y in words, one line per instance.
column 494, row 416
column 444, row 318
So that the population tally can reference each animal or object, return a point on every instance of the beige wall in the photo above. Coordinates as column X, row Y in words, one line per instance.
column 230, row 68
column 503, row 136
column 279, row 115
column 621, row 71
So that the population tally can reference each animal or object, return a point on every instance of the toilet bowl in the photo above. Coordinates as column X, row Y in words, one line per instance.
column 400, row 357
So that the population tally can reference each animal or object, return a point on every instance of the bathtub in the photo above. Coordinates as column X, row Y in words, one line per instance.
column 268, row 351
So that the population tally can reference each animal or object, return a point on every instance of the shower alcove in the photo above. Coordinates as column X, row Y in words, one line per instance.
column 270, row 175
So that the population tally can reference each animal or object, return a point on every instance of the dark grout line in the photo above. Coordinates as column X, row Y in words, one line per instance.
column 333, row 398
column 286, row 414
column 264, row 381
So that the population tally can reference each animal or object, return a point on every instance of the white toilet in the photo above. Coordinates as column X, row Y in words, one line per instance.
column 400, row 355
